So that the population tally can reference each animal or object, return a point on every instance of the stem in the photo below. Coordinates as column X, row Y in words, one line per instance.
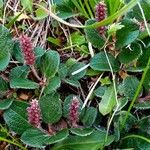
column 137, row 92
column 91, row 91
column 35, row 73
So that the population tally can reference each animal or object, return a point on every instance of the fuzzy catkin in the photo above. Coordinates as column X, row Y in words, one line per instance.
column 27, row 49
column 74, row 112
column 34, row 114
column 100, row 15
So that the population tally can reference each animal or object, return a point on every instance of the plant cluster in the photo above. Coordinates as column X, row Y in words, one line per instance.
column 97, row 98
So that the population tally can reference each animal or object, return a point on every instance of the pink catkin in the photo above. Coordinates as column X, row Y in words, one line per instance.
column 100, row 15
column 34, row 114
column 27, row 50
column 74, row 112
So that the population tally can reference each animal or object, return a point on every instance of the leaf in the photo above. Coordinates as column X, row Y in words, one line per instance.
column 59, row 136
column 74, row 83
column 27, row 4
column 50, row 63
column 129, row 87
column 20, row 83
column 76, row 67
column 81, row 132
column 99, row 92
column 99, row 62
column 19, row 72
column 91, row 142
column 6, row 42
column 40, row 14
column 53, row 85
column 63, row 71
column 66, row 105
column 51, row 108
column 34, row 138
column 3, row 87
column 130, row 54
column 142, row 106
column 144, row 124
column 122, row 103
column 1, row 3
column 16, row 117
column 88, row 116
column 93, row 35
column 5, row 104
column 127, row 34
column 136, row 143
column 4, row 59
column 17, row 52
column 108, row 101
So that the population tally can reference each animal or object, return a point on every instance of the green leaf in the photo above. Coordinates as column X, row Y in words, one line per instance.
column 5, row 104
column 99, row 62
column 129, row 87
column 63, row 71
column 19, row 72
column 1, row 3
column 59, row 136
column 91, row 142
column 93, row 35
column 34, row 138
column 76, row 67
column 3, row 87
column 40, row 14
column 16, row 117
column 88, row 116
column 130, row 54
column 50, row 63
column 27, row 4
column 99, row 92
column 66, row 105
column 108, row 101
column 137, row 142
column 20, row 83
column 74, row 83
column 81, row 131
column 127, row 34
column 53, row 85
column 122, row 102
column 142, row 106
column 105, row 81
column 51, row 108
column 144, row 124
column 6, row 42
column 4, row 59
column 17, row 52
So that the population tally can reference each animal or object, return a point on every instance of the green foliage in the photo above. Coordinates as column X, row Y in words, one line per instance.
column 27, row 4
column 93, row 35
column 142, row 106
column 5, row 104
column 3, row 87
column 50, row 63
column 130, row 54
column 129, row 87
column 108, row 101
column 53, row 85
column 20, row 83
column 51, row 108
column 99, row 62
column 16, row 117
column 90, row 142
column 88, row 116
column 127, row 34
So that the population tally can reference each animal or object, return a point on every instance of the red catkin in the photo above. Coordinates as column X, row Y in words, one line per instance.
column 100, row 15
column 74, row 112
column 34, row 114
column 27, row 49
